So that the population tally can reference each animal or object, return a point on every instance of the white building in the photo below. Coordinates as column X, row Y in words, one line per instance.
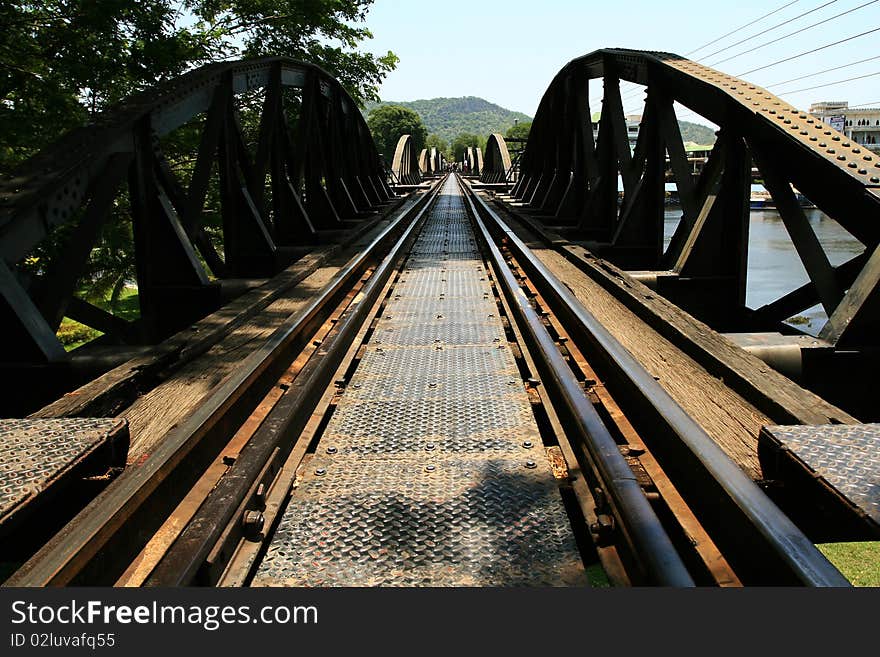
column 859, row 124
column 632, row 127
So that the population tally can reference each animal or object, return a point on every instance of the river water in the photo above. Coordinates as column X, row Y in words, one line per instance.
column 774, row 266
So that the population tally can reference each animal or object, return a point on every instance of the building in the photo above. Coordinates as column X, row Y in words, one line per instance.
column 632, row 127
column 859, row 124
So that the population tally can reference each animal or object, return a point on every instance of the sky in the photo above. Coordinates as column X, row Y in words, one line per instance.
column 507, row 51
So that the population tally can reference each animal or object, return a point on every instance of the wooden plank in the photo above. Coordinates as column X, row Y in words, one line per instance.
column 111, row 393
column 730, row 392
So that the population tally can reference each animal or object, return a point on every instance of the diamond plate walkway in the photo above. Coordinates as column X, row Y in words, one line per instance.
column 431, row 471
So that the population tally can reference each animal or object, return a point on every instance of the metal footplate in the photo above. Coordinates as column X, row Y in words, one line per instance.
column 843, row 458
column 431, row 471
column 39, row 457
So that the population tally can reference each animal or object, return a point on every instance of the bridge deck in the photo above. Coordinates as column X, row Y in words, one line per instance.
column 431, row 470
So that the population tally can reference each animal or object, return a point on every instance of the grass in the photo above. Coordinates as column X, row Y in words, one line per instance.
column 72, row 334
column 859, row 562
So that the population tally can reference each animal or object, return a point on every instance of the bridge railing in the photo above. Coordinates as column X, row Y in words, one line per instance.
column 574, row 181
column 260, row 185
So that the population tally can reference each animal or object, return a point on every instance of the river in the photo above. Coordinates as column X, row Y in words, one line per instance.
column 774, row 266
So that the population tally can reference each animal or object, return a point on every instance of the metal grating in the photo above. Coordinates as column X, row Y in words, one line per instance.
column 847, row 456
column 35, row 454
column 431, row 470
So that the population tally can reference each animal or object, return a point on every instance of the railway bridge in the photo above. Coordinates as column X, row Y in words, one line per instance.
column 350, row 372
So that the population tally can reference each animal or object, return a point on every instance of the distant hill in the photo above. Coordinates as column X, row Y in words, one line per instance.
column 449, row 117
column 696, row 133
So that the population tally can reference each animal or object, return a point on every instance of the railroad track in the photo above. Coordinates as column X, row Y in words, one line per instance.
column 443, row 413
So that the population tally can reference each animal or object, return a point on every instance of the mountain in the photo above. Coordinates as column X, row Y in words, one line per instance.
column 449, row 117
column 696, row 133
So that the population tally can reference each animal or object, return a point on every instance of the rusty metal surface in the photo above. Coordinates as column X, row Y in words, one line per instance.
column 431, row 470
column 846, row 456
column 34, row 454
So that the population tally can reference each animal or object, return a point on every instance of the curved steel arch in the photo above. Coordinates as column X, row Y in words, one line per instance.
column 326, row 173
column 405, row 165
column 436, row 160
column 425, row 162
column 575, row 180
column 496, row 163
column 473, row 158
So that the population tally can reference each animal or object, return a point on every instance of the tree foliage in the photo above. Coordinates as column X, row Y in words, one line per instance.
column 436, row 141
column 461, row 143
column 389, row 122
column 61, row 61
column 64, row 61
column 519, row 130
column 448, row 117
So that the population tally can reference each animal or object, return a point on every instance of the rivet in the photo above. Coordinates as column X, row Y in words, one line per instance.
column 531, row 465
column 863, row 171
column 851, row 165
column 320, row 472
column 875, row 179
column 429, row 447
column 429, row 468
column 331, row 450
column 527, row 444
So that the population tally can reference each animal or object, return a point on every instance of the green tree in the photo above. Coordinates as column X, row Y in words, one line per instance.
column 388, row 122
column 461, row 143
column 436, row 141
column 519, row 130
column 64, row 61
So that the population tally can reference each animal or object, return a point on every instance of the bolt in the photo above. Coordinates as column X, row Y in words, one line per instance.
column 332, row 450
column 320, row 472
column 531, row 465
column 252, row 522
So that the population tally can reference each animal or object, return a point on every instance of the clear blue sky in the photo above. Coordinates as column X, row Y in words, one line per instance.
column 507, row 51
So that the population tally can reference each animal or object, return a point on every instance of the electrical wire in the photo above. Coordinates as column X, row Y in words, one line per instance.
column 741, row 27
column 829, row 84
column 769, row 29
column 827, row 70
column 809, row 52
column 791, row 34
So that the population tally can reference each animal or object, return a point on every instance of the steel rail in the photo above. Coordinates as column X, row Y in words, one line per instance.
column 739, row 515
column 264, row 454
column 650, row 543
column 97, row 544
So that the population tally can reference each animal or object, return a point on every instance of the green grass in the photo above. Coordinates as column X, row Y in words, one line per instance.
column 859, row 562
column 72, row 334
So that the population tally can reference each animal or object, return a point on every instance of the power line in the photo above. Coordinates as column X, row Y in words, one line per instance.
column 634, row 92
column 742, row 27
column 769, row 29
column 827, row 70
column 808, row 52
column 791, row 34
column 829, row 84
